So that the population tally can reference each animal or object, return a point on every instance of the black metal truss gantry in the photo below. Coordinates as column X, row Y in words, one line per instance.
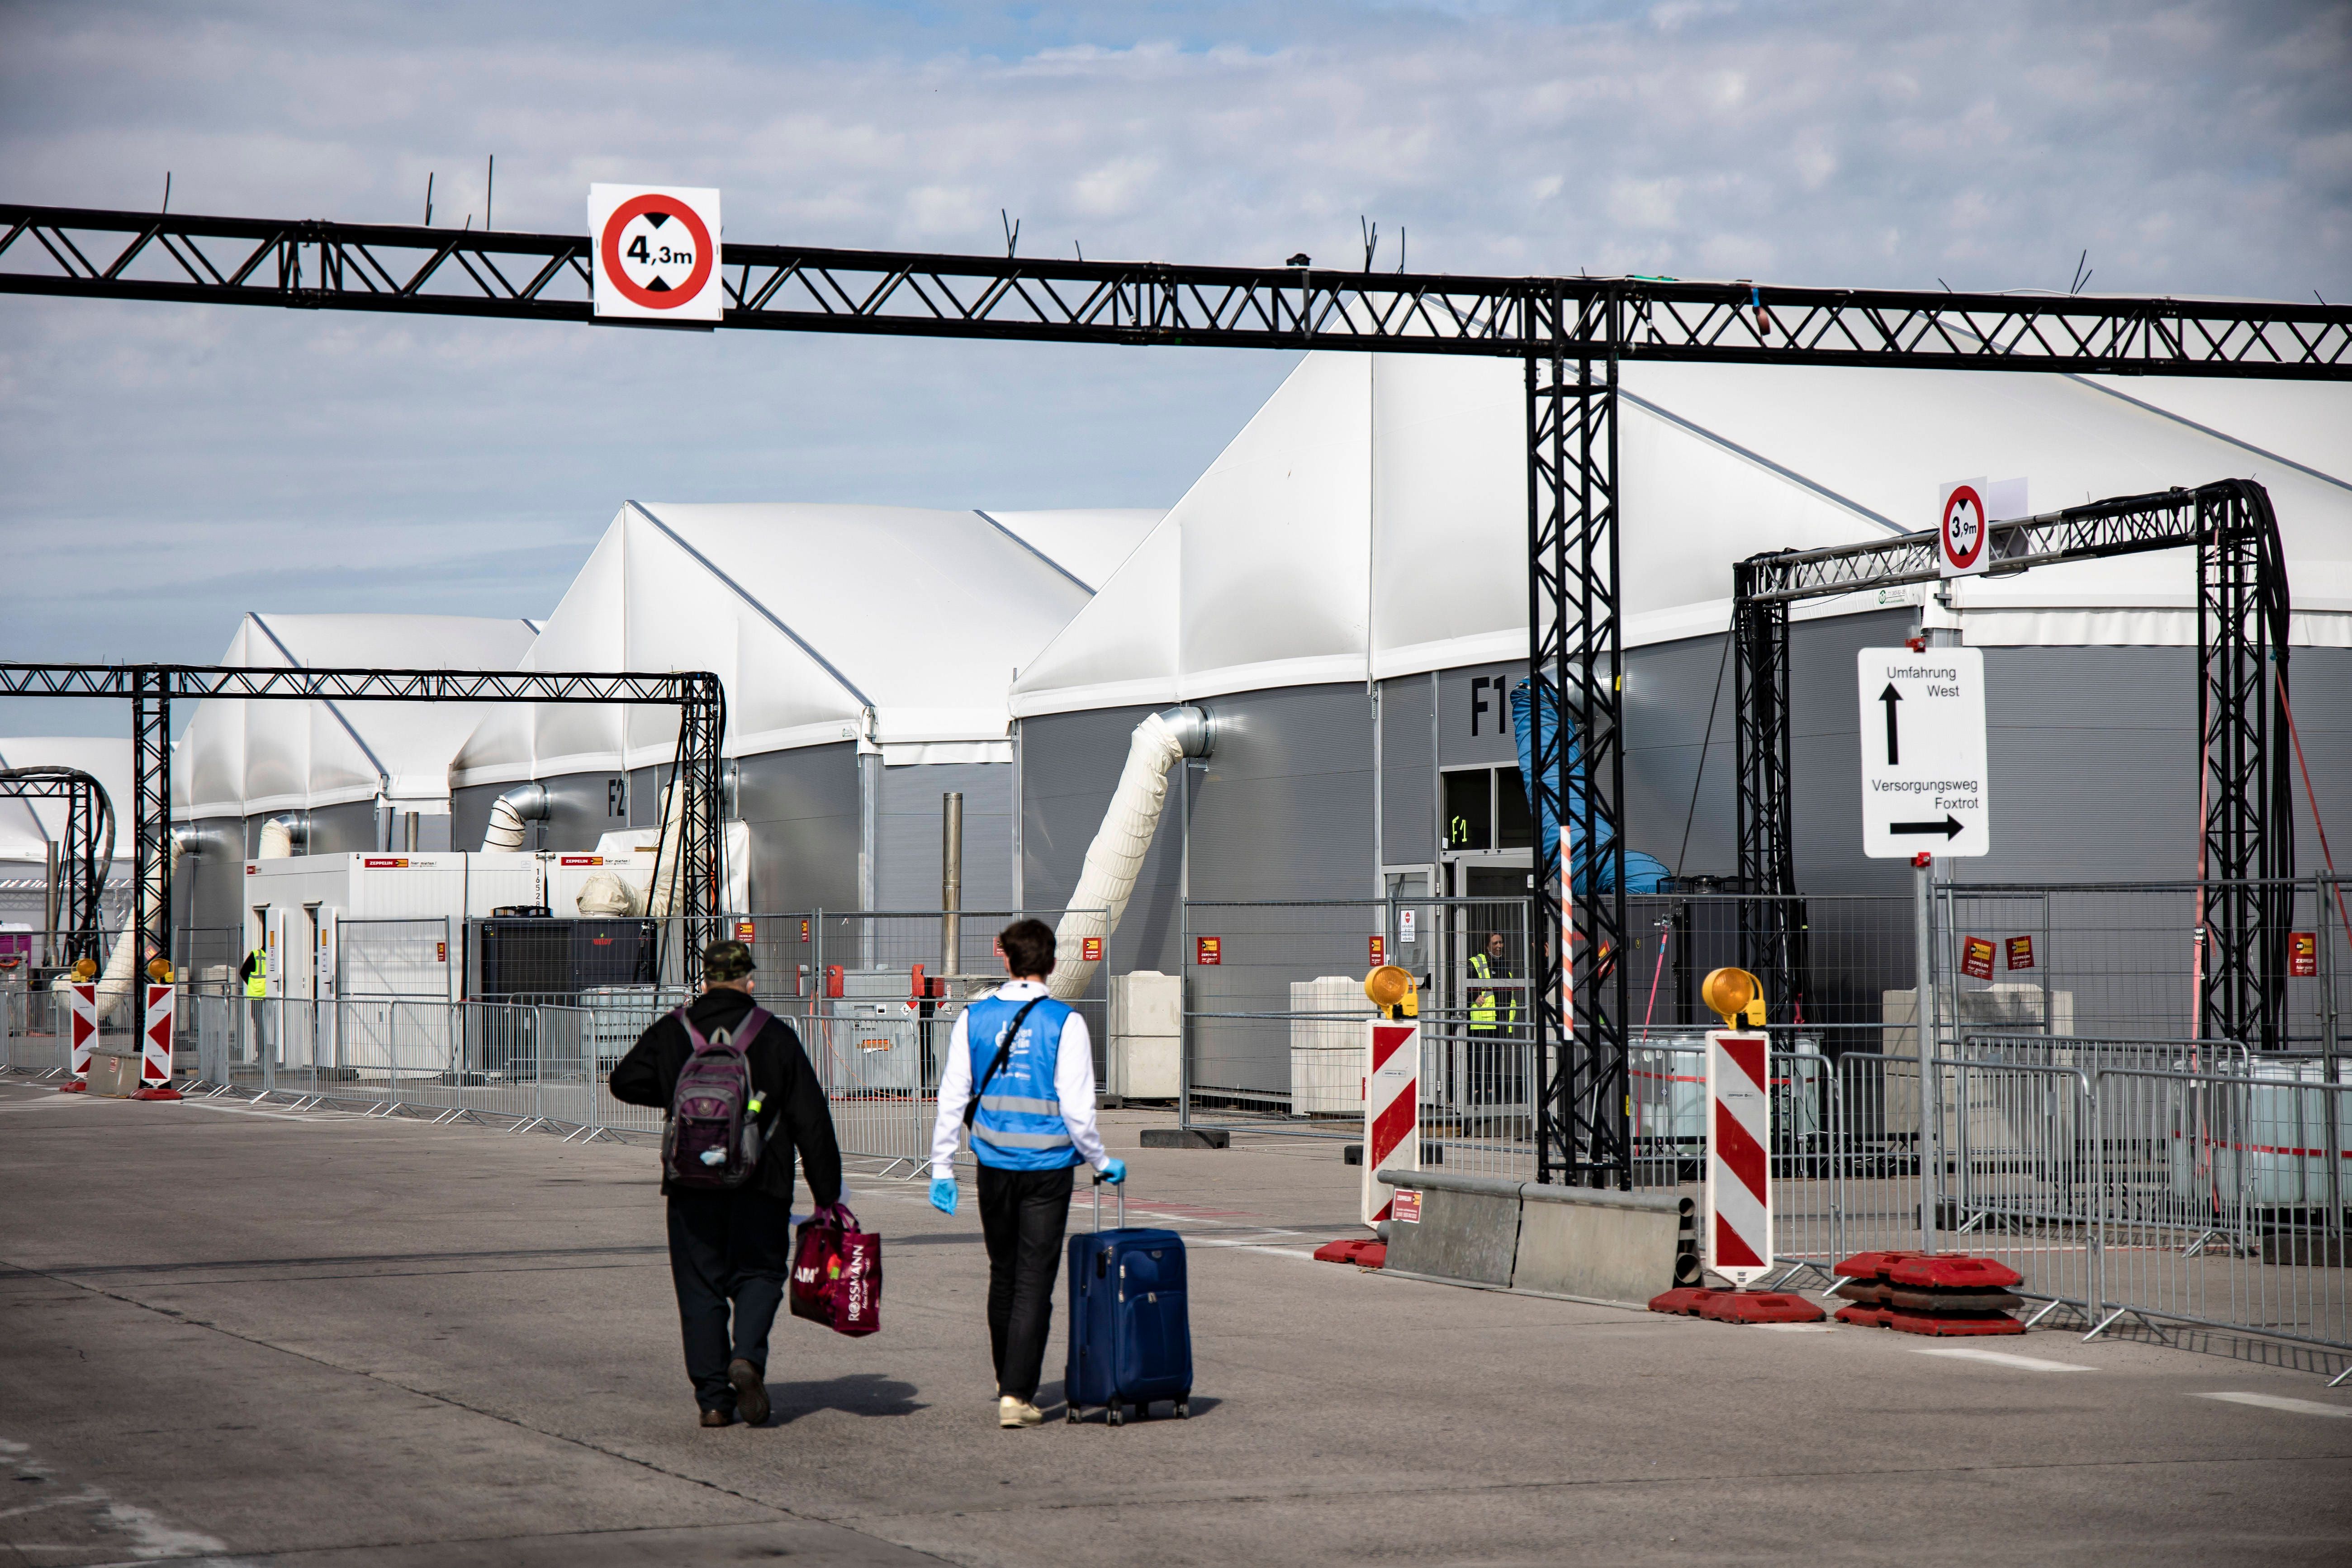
column 151, row 689
column 1572, row 333
column 85, row 851
column 2242, row 609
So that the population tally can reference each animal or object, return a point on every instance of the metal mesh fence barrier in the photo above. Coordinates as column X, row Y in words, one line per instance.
column 2114, row 960
column 2070, row 1123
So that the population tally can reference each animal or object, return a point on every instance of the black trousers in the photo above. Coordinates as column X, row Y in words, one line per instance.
column 727, row 1249
column 1021, row 1216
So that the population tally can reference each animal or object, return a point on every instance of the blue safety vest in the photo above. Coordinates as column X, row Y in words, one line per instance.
column 1019, row 1124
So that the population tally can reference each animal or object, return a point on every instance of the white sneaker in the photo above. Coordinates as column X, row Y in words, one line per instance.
column 1013, row 1412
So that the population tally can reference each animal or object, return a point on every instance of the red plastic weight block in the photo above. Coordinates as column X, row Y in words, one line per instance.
column 1684, row 1301
column 1951, row 1327
column 1865, row 1292
column 1936, row 1302
column 1947, row 1271
column 1362, row 1251
column 1864, row 1317
column 1872, row 1265
column 1760, row 1306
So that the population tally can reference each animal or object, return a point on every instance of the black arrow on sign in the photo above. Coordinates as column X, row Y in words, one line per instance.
column 1891, row 696
column 1949, row 827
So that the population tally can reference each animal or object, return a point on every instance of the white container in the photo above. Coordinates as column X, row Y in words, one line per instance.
column 1144, row 1059
column 1326, row 1054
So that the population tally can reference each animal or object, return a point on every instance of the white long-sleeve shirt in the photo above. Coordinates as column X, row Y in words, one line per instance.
column 1074, row 1086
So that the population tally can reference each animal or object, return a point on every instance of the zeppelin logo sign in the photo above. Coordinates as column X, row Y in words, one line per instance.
column 383, row 863
column 1208, row 950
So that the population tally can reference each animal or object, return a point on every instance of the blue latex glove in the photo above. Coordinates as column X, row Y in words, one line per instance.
column 1115, row 1172
column 943, row 1194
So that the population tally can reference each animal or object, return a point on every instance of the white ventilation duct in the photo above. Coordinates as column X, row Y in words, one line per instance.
column 1116, row 856
column 662, row 896
column 604, row 893
column 281, row 836
column 114, row 984
column 522, row 804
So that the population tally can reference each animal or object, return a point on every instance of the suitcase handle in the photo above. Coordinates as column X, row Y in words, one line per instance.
column 1122, row 1202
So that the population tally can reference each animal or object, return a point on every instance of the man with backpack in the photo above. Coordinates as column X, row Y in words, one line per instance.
column 740, row 1098
column 1032, row 1117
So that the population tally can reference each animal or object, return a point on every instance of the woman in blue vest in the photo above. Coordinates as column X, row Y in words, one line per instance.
column 1033, row 1123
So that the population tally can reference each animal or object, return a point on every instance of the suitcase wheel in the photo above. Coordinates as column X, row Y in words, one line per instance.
column 1112, row 1415
column 1185, row 1406
column 1070, row 1412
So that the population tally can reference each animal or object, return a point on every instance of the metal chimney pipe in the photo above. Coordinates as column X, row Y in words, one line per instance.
column 950, row 881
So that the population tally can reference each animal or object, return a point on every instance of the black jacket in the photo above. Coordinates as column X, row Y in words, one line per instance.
column 796, row 1115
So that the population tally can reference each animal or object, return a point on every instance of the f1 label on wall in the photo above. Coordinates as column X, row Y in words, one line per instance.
column 656, row 254
column 1923, row 753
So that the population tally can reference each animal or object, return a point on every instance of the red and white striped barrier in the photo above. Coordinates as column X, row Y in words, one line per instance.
column 1392, row 1109
column 155, row 1050
column 82, row 1035
column 1739, row 1162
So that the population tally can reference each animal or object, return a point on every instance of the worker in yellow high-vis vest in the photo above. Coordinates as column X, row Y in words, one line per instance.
column 1494, row 1026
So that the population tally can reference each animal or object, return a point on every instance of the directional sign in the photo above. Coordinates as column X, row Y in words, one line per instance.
column 1923, row 753
column 656, row 254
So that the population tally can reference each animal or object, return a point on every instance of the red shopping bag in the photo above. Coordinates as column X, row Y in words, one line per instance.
column 837, row 1273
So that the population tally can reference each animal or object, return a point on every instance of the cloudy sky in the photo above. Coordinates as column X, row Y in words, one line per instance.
column 169, row 466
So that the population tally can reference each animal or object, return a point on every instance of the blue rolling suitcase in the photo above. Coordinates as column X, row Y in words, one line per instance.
column 1130, row 1336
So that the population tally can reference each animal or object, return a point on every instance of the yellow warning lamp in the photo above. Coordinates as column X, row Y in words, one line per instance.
column 1391, row 991
column 159, row 970
column 1734, row 995
column 85, row 969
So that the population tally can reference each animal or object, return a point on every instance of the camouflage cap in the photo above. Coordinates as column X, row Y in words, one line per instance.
column 728, row 960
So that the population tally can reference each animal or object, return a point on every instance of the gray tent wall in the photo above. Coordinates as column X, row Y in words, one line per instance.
column 804, row 807
column 2093, row 767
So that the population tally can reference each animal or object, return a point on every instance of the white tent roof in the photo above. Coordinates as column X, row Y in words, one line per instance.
column 1371, row 520
column 241, row 758
column 1086, row 542
column 889, row 624
column 27, row 827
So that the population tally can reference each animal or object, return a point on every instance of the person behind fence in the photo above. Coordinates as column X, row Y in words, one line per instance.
column 1493, row 1026
column 1032, row 1117
column 730, row 1196
column 255, row 973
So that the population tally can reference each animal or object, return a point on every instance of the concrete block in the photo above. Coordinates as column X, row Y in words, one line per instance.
column 1468, row 1230
column 1613, row 1247
column 1187, row 1138
column 115, row 1074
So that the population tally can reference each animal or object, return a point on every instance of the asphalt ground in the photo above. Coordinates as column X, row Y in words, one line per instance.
column 244, row 1335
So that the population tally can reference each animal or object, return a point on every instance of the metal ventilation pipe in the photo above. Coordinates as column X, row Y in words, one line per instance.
column 950, row 881
column 524, row 803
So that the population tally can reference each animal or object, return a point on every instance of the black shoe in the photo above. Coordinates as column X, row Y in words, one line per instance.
column 750, row 1391
column 720, row 1418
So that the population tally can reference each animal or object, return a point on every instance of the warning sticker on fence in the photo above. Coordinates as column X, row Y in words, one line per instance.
column 2303, row 954
column 1090, row 948
column 1407, row 1206
column 2020, row 952
column 1976, row 957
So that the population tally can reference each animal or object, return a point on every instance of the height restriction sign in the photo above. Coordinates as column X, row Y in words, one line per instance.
column 1965, row 513
column 656, row 253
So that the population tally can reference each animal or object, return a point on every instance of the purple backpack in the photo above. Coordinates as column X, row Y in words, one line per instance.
column 712, row 1137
